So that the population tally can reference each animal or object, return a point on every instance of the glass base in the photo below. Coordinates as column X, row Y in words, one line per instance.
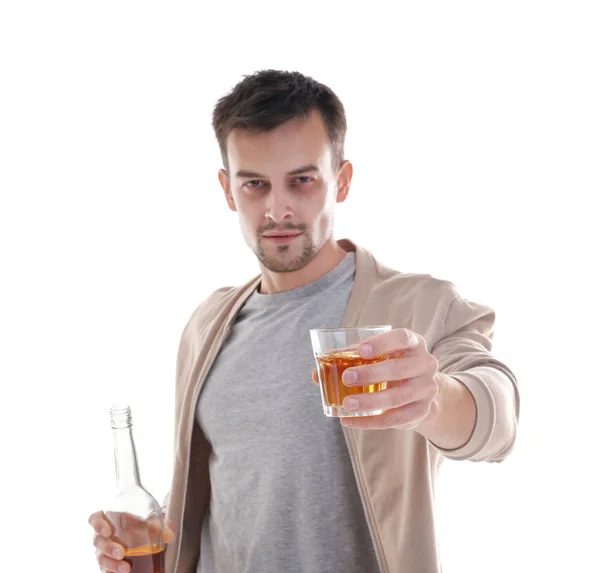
column 341, row 412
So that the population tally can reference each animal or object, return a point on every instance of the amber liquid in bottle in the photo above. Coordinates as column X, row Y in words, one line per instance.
column 147, row 559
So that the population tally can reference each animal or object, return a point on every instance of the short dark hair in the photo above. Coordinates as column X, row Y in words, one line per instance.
column 268, row 98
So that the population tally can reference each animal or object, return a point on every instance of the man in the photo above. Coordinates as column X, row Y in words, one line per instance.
column 264, row 482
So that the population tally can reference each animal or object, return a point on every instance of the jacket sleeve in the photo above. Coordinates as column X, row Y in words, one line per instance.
column 464, row 353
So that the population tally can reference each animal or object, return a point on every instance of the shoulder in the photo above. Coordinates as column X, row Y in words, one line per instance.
column 419, row 288
column 203, row 324
column 211, row 307
column 427, row 303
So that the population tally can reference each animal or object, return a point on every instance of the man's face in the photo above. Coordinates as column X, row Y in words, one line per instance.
column 283, row 186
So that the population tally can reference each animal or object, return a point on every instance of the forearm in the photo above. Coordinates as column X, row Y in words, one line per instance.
column 452, row 416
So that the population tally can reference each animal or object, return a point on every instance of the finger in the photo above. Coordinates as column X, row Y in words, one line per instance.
column 391, row 341
column 315, row 376
column 100, row 524
column 166, row 532
column 109, row 564
column 406, row 417
column 154, row 524
column 108, row 547
column 131, row 530
column 123, row 520
column 133, row 525
column 409, row 366
column 421, row 388
column 168, row 535
column 130, row 521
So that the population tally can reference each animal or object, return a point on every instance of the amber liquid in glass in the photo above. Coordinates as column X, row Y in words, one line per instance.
column 331, row 366
column 146, row 559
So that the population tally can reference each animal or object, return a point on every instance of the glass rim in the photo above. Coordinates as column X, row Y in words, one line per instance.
column 349, row 328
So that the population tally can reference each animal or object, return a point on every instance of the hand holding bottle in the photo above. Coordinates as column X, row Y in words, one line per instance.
column 130, row 533
column 109, row 552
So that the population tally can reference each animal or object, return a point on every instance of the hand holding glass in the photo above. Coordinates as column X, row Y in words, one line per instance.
column 335, row 350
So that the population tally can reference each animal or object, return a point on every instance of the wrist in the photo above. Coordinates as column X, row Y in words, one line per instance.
column 428, row 425
column 452, row 416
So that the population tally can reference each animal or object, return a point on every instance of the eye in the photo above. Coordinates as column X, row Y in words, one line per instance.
column 253, row 184
column 304, row 179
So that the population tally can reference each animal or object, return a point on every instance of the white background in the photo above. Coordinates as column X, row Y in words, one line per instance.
column 474, row 132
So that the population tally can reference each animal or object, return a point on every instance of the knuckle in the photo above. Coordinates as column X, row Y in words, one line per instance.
column 107, row 563
column 96, row 540
column 102, row 559
column 399, row 368
column 433, row 363
column 107, row 547
column 434, row 390
column 389, row 421
column 101, row 544
column 369, row 401
column 98, row 524
column 401, row 396
column 423, row 409
column 110, row 547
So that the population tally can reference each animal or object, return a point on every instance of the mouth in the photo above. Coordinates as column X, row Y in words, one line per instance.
column 282, row 238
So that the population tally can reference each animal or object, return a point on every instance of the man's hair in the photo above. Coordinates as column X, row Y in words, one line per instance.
column 268, row 98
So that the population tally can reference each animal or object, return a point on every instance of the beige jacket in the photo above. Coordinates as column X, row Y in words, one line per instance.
column 395, row 470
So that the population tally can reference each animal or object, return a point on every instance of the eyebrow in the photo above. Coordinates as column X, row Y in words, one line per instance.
column 303, row 169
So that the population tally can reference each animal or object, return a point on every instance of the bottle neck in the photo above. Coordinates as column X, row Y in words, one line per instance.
column 125, row 458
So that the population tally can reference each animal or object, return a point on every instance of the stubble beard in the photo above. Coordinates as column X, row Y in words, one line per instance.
column 280, row 262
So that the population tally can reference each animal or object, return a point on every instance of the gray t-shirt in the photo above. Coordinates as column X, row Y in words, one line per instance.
column 283, row 493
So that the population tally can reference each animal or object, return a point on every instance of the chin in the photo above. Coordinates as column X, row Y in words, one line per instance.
column 285, row 259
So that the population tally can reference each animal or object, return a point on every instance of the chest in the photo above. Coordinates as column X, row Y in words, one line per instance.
column 259, row 390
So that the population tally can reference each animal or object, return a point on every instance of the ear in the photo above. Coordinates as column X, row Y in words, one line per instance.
column 343, row 181
column 226, row 185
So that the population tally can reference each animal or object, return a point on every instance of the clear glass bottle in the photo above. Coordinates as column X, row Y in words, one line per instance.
column 136, row 518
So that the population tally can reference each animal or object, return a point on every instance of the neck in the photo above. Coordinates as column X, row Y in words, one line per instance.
column 125, row 459
column 324, row 261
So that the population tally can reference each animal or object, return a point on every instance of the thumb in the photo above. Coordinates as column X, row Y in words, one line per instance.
column 169, row 531
column 315, row 376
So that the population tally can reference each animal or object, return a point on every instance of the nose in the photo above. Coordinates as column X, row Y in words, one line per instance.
column 278, row 206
